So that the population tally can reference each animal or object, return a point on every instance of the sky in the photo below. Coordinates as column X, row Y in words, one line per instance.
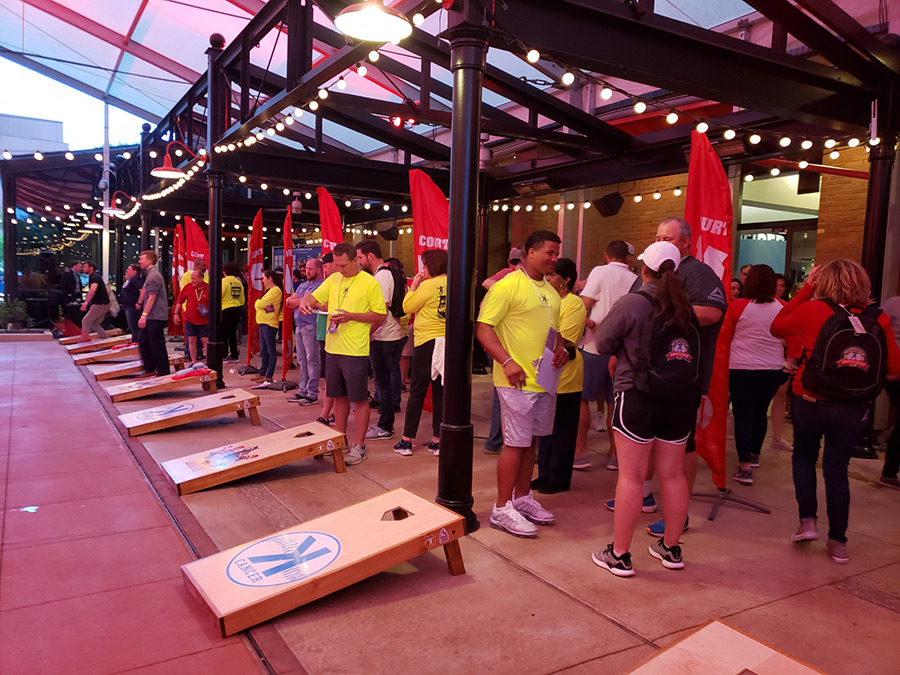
column 81, row 115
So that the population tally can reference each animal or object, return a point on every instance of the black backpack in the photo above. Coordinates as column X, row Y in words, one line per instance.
column 668, row 361
column 396, row 306
column 847, row 364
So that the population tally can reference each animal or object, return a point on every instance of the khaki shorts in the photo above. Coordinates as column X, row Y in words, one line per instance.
column 524, row 415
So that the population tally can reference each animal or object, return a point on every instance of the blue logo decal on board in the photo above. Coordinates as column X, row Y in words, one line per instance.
column 165, row 411
column 283, row 559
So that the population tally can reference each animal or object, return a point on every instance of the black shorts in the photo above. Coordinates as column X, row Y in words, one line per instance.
column 198, row 330
column 347, row 376
column 642, row 419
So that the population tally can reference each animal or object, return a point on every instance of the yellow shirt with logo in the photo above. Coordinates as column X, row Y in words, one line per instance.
column 359, row 294
column 186, row 279
column 522, row 312
column 271, row 298
column 429, row 303
column 232, row 292
column 572, row 316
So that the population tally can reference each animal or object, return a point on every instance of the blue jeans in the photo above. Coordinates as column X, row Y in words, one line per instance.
column 132, row 316
column 495, row 437
column 308, row 358
column 841, row 424
column 385, row 357
column 267, row 354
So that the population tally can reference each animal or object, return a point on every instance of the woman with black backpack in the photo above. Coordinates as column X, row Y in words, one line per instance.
column 654, row 336
column 848, row 352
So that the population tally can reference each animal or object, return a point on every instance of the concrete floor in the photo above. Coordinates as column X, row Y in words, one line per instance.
column 532, row 606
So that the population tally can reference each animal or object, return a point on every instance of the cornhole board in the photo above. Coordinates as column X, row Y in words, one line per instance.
column 259, row 580
column 75, row 339
column 106, row 355
column 222, row 465
column 159, row 384
column 98, row 344
column 114, row 370
column 719, row 648
column 190, row 410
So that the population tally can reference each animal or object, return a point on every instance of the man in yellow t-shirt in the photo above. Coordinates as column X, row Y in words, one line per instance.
column 518, row 318
column 355, row 304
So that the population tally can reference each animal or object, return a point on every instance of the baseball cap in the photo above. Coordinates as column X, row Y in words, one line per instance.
column 658, row 252
column 630, row 247
column 515, row 254
column 328, row 258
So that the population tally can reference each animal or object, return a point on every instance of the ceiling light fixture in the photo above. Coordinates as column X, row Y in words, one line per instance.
column 373, row 21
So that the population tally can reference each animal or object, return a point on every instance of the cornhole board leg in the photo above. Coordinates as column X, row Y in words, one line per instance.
column 227, row 463
column 338, row 457
column 453, row 554
column 190, row 410
column 254, row 582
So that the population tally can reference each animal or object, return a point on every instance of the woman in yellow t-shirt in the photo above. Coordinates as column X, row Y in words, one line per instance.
column 268, row 314
column 556, row 452
column 427, row 298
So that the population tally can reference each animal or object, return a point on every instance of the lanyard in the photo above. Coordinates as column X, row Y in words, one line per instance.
column 342, row 291
column 545, row 301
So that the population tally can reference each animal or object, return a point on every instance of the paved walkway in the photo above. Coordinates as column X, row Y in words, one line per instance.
column 89, row 579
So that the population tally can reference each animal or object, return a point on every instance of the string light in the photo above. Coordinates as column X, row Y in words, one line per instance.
column 748, row 178
column 568, row 78
column 729, row 134
column 677, row 192
column 830, row 143
column 702, row 127
column 640, row 107
column 533, row 56
column 806, row 144
column 775, row 171
column 784, row 141
column 834, row 154
column 853, row 142
column 606, row 93
column 672, row 117
column 638, row 199
column 755, row 139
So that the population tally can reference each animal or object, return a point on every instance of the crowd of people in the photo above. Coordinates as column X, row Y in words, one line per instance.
column 638, row 338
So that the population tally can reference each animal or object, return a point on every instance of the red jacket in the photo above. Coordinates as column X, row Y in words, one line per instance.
column 804, row 319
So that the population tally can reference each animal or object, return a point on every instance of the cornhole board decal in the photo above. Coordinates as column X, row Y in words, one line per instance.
column 125, row 352
column 257, row 581
column 717, row 647
column 114, row 370
column 177, row 413
column 202, row 470
column 158, row 385
column 97, row 345
column 75, row 339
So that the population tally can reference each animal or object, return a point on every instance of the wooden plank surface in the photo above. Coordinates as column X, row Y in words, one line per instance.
column 114, row 370
column 190, row 410
column 106, row 355
column 255, row 455
column 257, row 581
column 98, row 344
column 158, row 385
column 73, row 339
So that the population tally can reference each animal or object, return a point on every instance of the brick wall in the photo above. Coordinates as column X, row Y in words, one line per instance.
column 842, row 208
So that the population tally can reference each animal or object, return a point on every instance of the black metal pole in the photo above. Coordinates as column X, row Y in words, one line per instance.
column 120, row 254
column 216, row 95
column 881, row 162
column 10, row 264
column 144, row 165
column 468, row 50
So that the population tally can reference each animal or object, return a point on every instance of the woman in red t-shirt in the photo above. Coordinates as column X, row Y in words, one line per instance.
column 192, row 308
column 844, row 283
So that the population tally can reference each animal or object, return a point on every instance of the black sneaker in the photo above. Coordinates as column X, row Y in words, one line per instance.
column 306, row 400
column 322, row 420
column 754, row 461
column 434, row 448
column 744, row 476
column 605, row 558
column 669, row 557
column 404, row 448
column 296, row 398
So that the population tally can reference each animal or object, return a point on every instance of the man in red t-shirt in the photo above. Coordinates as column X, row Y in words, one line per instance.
column 193, row 304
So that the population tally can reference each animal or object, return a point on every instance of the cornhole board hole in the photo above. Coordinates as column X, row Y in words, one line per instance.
column 98, row 344
column 190, row 410
column 262, row 579
column 75, row 339
column 718, row 648
column 159, row 384
column 114, row 370
column 222, row 465
column 106, row 355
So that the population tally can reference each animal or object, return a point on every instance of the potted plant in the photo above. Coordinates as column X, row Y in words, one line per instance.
column 14, row 315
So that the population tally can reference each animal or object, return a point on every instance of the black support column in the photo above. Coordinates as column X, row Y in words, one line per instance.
column 468, row 50
column 218, row 102
column 881, row 162
column 144, row 166
column 10, row 264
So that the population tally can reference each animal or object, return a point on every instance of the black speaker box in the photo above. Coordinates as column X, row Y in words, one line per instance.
column 609, row 205
column 390, row 234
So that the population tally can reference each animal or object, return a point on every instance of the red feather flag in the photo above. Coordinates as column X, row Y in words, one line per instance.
column 255, row 290
column 330, row 220
column 431, row 215
column 287, row 321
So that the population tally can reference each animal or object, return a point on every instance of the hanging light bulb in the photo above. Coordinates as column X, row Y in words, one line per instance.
column 341, row 84
column 853, row 142
column 361, row 70
column 307, row 195
column 803, row 164
column 672, row 117
column 748, row 178
column 806, row 144
column 755, row 139
column 374, row 56
column 775, row 171
column 533, row 56
column 495, row 208
column 657, row 195
column 348, row 203
column 529, row 208
column 834, row 154
column 556, row 207
column 544, row 207
column 568, row 78
column 313, row 105
column 606, row 93
column 373, row 21
column 638, row 199
column 729, row 134
column 702, row 127
column 640, row 107
column 323, row 94
column 677, row 192
column 830, row 143
column 785, row 141
column 418, row 19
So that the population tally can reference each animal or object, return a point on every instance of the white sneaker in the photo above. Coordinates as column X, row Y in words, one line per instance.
column 356, row 455
column 782, row 444
column 529, row 508
column 600, row 422
column 510, row 520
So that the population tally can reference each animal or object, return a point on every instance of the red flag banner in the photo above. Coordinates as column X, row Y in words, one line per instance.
column 287, row 322
column 330, row 220
column 431, row 215
column 255, row 290
column 708, row 209
column 177, row 271
column 197, row 248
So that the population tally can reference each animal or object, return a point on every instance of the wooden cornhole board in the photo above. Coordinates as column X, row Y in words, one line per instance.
column 159, row 384
column 106, row 355
column 190, row 410
column 720, row 648
column 75, row 339
column 114, row 370
column 255, row 455
column 97, row 345
column 262, row 579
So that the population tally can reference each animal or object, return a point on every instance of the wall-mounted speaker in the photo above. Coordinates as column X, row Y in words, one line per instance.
column 609, row 205
column 390, row 234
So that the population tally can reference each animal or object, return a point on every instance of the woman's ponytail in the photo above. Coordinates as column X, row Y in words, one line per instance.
column 670, row 295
